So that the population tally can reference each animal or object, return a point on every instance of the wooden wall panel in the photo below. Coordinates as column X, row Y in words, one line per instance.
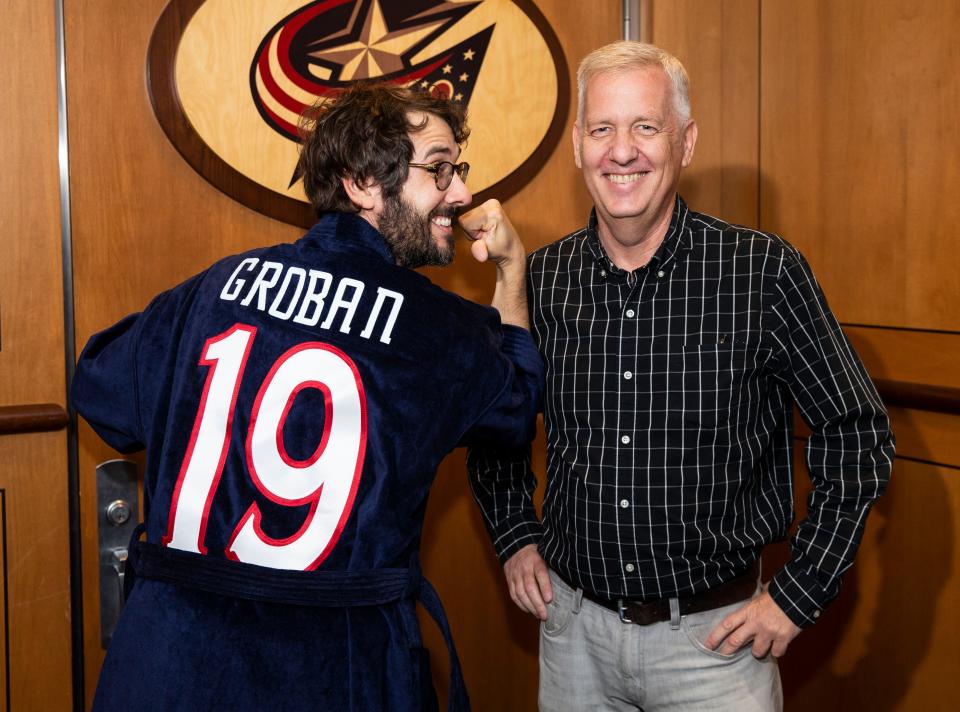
column 31, row 294
column 35, row 535
column 889, row 641
column 858, row 152
column 33, row 467
column 921, row 357
column 718, row 43
column 909, row 355
column 856, row 170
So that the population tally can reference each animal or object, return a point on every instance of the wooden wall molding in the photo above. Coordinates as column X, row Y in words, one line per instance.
column 32, row 418
column 946, row 332
column 919, row 396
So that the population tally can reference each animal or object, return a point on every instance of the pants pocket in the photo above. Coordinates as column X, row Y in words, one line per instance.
column 560, row 609
column 698, row 626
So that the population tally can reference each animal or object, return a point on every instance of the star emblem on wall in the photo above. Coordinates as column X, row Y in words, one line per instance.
column 379, row 49
column 322, row 48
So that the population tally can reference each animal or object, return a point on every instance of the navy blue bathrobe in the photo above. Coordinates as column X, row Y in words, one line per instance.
column 295, row 402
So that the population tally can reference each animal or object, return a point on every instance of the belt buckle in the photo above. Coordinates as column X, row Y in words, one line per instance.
column 622, row 610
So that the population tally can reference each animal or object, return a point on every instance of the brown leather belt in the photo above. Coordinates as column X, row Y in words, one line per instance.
column 644, row 613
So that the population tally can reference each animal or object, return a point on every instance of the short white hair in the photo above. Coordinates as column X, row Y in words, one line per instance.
column 625, row 55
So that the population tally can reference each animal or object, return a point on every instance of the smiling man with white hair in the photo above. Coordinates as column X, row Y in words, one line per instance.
column 676, row 345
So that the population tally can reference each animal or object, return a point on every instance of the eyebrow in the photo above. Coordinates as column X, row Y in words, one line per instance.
column 439, row 150
column 643, row 118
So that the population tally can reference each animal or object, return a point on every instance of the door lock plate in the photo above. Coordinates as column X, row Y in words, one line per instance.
column 117, row 515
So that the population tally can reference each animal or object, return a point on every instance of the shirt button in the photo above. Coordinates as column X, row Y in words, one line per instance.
column 630, row 313
column 661, row 273
column 624, row 503
column 628, row 375
column 816, row 614
column 625, row 439
column 629, row 568
column 603, row 273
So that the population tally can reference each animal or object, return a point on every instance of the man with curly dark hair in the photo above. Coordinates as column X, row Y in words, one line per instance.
column 295, row 402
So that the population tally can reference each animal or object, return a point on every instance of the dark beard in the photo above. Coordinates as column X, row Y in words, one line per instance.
column 407, row 234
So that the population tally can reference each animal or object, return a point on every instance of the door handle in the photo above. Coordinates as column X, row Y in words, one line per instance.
column 117, row 515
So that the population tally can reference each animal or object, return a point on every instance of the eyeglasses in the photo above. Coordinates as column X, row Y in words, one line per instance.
column 443, row 172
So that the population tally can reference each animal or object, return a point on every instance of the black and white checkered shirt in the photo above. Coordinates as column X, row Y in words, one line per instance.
column 668, row 412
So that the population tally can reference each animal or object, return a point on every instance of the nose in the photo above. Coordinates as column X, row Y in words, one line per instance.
column 458, row 193
column 623, row 149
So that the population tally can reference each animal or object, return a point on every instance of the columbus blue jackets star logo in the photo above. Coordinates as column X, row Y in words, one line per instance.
column 323, row 47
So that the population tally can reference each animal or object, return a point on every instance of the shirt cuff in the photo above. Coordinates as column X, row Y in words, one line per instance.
column 799, row 594
column 515, row 536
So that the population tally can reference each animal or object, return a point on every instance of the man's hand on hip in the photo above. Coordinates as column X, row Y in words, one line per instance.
column 761, row 621
column 529, row 581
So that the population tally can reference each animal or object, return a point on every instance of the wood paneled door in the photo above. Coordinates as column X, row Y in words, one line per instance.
column 35, row 638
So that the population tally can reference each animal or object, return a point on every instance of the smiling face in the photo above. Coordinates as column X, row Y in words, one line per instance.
column 631, row 148
column 418, row 224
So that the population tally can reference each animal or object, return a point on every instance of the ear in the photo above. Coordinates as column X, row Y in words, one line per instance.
column 689, row 141
column 576, row 145
column 366, row 195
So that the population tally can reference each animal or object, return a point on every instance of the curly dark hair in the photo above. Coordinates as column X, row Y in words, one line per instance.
column 363, row 133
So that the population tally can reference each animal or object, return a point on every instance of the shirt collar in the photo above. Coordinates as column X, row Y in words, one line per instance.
column 677, row 239
column 348, row 233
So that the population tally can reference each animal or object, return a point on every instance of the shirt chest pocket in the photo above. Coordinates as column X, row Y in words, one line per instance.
column 708, row 383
